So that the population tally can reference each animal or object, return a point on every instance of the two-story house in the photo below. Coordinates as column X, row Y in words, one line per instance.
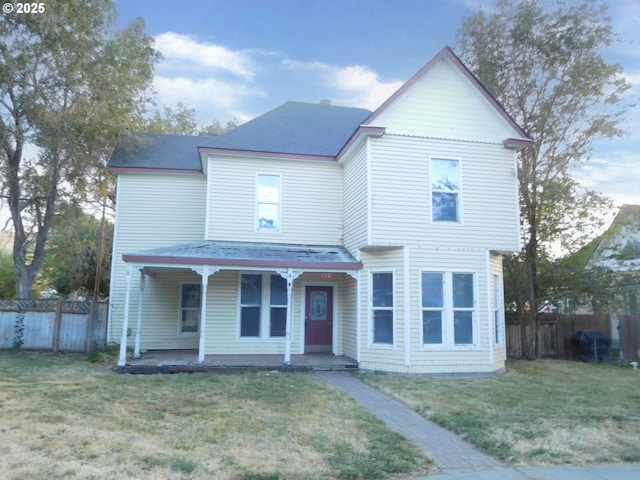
column 317, row 228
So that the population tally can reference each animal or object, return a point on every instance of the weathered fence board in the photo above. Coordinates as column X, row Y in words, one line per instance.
column 629, row 327
column 52, row 325
column 554, row 333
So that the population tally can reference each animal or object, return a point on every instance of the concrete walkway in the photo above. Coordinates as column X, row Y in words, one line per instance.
column 456, row 459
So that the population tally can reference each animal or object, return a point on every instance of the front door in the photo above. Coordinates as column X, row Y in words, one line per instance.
column 318, row 319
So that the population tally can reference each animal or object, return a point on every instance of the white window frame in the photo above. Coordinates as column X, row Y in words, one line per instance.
column 458, row 192
column 498, row 309
column 181, row 309
column 392, row 309
column 278, row 204
column 448, row 327
column 265, row 309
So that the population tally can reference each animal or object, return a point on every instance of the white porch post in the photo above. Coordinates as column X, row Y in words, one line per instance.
column 289, row 276
column 203, row 312
column 122, row 360
column 136, row 349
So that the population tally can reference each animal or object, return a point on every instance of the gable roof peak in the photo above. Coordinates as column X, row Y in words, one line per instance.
column 448, row 54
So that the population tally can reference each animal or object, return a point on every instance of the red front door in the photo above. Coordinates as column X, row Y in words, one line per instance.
column 318, row 319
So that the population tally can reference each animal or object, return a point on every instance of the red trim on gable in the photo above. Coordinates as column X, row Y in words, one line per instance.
column 241, row 263
column 362, row 130
column 172, row 171
column 448, row 53
column 253, row 153
column 516, row 143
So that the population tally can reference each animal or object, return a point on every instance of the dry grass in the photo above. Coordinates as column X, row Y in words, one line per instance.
column 541, row 412
column 62, row 417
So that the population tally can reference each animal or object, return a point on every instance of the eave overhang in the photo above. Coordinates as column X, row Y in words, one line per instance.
column 247, row 255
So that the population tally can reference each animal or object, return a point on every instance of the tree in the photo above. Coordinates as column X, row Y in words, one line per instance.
column 69, row 88
column 182, row 121
column 71, row 263
column 546, row 69
column 7, row 284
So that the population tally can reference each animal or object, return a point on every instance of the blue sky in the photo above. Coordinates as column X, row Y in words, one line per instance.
column 241, row 58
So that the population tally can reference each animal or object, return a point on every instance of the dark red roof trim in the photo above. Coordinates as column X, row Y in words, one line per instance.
column 241, row 263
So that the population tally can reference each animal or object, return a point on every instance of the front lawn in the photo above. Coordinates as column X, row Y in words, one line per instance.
column 63, row 417
column 540, row 412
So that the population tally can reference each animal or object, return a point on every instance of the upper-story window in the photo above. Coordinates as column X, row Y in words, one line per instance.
column 445, row 190
column 268, row 199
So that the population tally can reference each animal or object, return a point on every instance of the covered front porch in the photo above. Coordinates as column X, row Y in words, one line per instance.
column 238, row 304
column 174, row 361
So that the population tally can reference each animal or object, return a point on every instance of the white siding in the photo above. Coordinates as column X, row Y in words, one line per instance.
column 311, row 201
column 444, row 104
column 468, row 359
column 374, row 356
column 500, row 349
column 355, row 201
column 401, row 196
column 153, row 210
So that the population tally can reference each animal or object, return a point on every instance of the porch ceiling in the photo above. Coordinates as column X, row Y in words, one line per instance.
column 249, row 254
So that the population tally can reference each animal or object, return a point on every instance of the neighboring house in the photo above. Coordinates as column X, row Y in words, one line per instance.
column 618, row 250
column 316, row 228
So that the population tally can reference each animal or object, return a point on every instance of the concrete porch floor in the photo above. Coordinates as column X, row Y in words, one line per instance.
column 174, row 361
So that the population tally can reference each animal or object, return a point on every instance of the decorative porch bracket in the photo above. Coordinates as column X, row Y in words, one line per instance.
column 289, row 275
column 204, row 271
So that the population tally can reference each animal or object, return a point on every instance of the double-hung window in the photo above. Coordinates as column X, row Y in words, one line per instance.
column 382, row 307
column 189, row 308
column 268, row 203
column 263, row 306
column 445, row 190
column 448, row 309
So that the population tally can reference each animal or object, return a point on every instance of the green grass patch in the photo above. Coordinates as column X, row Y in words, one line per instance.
column 61, row 413
column 540, row 412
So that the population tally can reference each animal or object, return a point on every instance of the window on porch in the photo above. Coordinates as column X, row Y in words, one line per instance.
column 189, row 308
column 263, row 306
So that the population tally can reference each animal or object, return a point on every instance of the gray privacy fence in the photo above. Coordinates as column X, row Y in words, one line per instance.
column 47, row 324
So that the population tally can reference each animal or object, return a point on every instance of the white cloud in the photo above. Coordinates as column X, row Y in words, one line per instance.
column 211, row 97
column 355, row 85
column 617, row 177
column 185, row 50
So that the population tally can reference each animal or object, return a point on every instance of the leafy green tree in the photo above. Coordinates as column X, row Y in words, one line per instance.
column 70, row 86
column 7, row 284
column 182, row 121
column 71, row 263
column 545, row 67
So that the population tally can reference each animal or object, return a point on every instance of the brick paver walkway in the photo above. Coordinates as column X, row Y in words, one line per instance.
column 450, row 453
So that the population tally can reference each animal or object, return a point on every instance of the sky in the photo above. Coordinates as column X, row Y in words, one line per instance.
column 237, row 59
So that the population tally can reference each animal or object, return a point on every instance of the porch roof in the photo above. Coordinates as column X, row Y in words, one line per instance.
column 249, row 254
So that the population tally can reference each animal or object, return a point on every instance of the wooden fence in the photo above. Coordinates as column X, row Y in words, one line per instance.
column 555, row 333
column 46, row 324
column 629, row 326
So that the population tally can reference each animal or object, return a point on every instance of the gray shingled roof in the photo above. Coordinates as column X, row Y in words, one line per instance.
column 295, row 128
column 153, row 150
column 250, row 254
column 292, row 128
